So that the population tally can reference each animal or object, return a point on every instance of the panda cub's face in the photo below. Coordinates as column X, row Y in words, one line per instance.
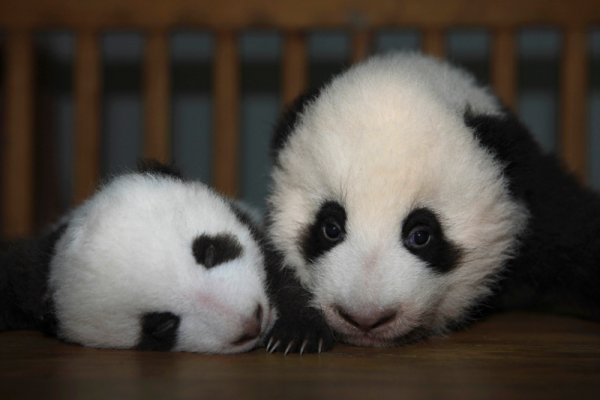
column 154, row 262
column 386, row 206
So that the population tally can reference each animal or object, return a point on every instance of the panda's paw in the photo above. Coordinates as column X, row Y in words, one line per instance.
column 288, row 336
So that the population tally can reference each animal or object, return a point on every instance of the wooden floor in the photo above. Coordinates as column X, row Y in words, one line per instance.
column 506, row 357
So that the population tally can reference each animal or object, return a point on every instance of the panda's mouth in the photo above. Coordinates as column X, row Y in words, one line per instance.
column 245, row 339
column 414, row 335
column 254, row 331
column 388, row 331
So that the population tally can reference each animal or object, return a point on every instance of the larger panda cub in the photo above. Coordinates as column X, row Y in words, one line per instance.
column 406, row 200
column 151, row 262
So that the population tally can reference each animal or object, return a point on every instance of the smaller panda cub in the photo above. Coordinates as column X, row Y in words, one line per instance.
column 155, row 262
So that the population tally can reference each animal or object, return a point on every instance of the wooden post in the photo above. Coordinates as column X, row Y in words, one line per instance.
column 157, row 139
column 87, row 115
column 361, row 45
column 17, row 148
column 294, row 66
column 573, row 138
column 434, row 42
column 504, row 66
column 226, row 112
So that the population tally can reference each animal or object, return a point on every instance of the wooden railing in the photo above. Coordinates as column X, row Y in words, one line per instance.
column 20, row 19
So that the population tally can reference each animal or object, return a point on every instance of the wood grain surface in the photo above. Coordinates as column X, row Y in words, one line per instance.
column 511, row 356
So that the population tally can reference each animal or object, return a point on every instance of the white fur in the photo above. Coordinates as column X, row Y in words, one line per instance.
column 382, row 139
column 128, row 251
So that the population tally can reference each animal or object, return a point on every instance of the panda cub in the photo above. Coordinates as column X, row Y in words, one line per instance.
column 407, row 202
column 151, row 262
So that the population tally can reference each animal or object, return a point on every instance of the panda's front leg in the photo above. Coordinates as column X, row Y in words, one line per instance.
column 299, row 328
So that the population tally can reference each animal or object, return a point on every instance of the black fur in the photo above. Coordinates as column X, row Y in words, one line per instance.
column 245, row 219
column 557, row 266
column 24, row 269
column 5, row 246
column 159, row 331
column 440, row 254
column 212, row 251
column 314, row 243
column 288, row 120
column 298, row 322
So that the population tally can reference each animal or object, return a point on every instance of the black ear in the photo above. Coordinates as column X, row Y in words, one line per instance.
column 211, row 251
column 159, row 331
column 503, row 135
column 509, row 142
column 289, row 118
column 150, row 166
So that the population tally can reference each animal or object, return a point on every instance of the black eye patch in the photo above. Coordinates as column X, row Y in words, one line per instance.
column 211, row 251
column 327, row 231
column 159, row 331
column 423, row 236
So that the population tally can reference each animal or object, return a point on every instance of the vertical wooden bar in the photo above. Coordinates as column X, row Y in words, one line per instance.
column 504, row 66
column 157, row 143
column 573, row 140
column 226, row 112
column 294, row 66
column 361, row 45
column 434, row 42
column 87, row 84
column 17, row 148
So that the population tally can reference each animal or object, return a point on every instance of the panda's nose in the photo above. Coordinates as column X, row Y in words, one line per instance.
column 367, row 321
column 251, row 328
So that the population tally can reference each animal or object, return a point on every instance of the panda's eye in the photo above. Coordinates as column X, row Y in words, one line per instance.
column 418, row 237
column 332, row 230
column 327, row 231
column 423, row 236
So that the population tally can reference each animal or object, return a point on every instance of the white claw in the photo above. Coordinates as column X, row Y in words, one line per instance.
column 275, row 346
column 320, row 345
column 304, row 343
column 269, row 344
column 287, row 349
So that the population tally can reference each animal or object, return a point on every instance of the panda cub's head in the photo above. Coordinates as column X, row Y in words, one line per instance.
column 384, row 203
column 155, row 262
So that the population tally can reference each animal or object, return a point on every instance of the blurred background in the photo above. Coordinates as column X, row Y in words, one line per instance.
column 191, row 74
column 329, row 52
